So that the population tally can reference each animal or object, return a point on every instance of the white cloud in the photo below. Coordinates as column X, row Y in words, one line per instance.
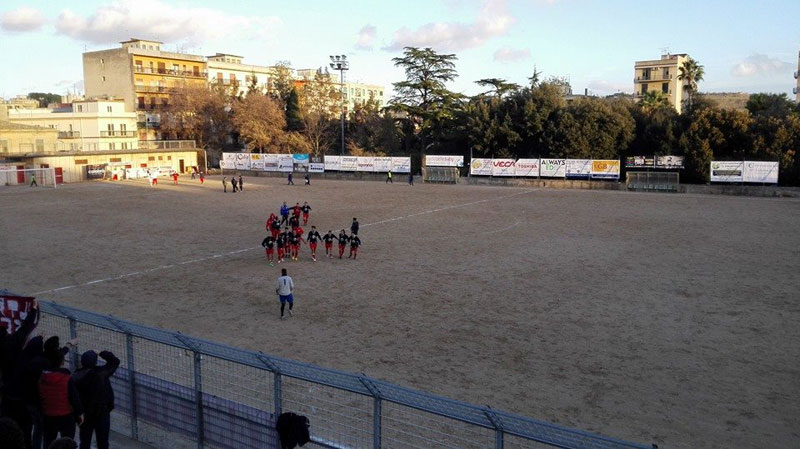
column 508, row 54
column 493, row 20
column 22, row 19
column 366, row 37
column 609, row 87
column 154, row 19
column 760, row 64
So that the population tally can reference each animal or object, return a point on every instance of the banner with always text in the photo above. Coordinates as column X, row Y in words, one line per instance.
column 553, row 168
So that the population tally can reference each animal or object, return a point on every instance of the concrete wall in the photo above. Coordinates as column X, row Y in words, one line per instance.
column 115, row 66
column 74, row 166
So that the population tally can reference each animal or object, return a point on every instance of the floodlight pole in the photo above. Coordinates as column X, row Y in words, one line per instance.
column 340, row 63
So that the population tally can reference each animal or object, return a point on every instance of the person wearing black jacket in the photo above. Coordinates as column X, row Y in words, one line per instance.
column 11, row 348
column 354, row 227
column 96, row 395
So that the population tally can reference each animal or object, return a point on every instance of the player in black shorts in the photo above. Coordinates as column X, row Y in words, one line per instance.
column 328, row 239
column 343, row 239
column 313, row 238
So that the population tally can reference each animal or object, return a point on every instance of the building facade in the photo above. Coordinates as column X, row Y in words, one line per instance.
column 18, row 139
column 144, row 76
column 354, row 93
column 88, row 125
column 227, row 70
column 661, row 75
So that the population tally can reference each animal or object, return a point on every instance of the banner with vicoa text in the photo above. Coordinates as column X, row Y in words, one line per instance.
column 504, row 167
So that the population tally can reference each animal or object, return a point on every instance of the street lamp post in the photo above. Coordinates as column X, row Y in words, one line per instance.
column 340, row 63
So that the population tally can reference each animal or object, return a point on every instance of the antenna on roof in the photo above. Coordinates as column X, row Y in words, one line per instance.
column 665, row 51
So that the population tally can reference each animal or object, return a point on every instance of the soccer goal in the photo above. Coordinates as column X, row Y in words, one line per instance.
column 38, row 177
column 440, row 174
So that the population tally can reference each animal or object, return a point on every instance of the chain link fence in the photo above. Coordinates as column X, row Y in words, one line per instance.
column 177, row 391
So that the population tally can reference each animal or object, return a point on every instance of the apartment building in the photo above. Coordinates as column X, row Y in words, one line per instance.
column 661, row 75
column 143, row 76
column 229, row 71
column 354, row 93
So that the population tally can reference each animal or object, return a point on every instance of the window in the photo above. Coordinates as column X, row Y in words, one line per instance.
column 644, row 89
column 124, row 146
column 123, row 127
column 219, row 76
column 666, row 73
column 196, row 71
column 104, row 78
column 665, row 88
column 151, row 158
column 110, row 127
column 80, row 108
column 645, row 74
column 115, row 159
column 162, row 67
column 169, row 158
column 141, row 102
column 161, row 158
column 72, row 147
column 112, row 146
column 143, row 165
column 4, row 145
column 81, row 161
column 39, row 144
column 108, row 108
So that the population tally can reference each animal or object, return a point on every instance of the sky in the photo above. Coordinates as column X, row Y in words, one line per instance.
column 745, row 46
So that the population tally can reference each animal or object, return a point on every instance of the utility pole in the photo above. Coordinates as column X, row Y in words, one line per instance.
column 340, row 63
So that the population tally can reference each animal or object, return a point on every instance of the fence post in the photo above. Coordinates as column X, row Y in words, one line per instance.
column 73, row 352
column 276, row 390
column 376, row 410
column 498, row 426
column 198, row 394
column 132, row 379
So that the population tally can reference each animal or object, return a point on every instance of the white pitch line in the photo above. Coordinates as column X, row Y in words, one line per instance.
column 202, row 259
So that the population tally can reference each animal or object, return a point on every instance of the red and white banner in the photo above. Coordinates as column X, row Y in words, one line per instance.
column 366, row 163
column 444, row 161
column 504, row 167
column 13, row 310
column 527, row 167
column 480, row 167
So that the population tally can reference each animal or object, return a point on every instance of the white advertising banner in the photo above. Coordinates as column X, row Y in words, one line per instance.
column 504, row 167
column 553, row 168
column 256, row 161
column 605, row 168
column 383, row 164
column 349, row 163
column 316, row 167
column 285, row 163
column 270, row 162
column 480, row 167
column 527, row 167
column 366, row 163
column 228, row 161
column 727, row 171
column 761, row 172
column 444, row 161
column 333, row 163
column 669, row 162
column 401, row 164
column 242, row 161
column 578, row 168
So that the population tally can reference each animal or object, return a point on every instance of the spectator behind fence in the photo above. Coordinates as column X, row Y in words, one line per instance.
column 96, row 396
column 63, row 443
column 11, row 347
column 10, row 435
column 61, row 405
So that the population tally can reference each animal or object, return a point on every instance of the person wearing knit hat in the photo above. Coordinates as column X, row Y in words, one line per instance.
column 94, row 390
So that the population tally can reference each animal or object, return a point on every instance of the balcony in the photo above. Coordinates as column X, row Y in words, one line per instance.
column 69, row 134
column 153, row 89
column 117, row 133
column 148, row 125
column 653, row 77
column 167, row 145
column 224, row 82
column 152, row 107
column 795, row 75
column 170, row 72
column 794, row 90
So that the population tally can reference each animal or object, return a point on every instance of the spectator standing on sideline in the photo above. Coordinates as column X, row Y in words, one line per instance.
column 289, row 177
column 285, row 289
column 202, row 177
column 224, row 184
column 61, row 405
column 308, row 180
column 96, row 396
column 194, row 172
column 33, row 180
column 241, row 184
column 233, row 183
column 354, row 227
column 389, row 178
column 410, row 179
column 175, row 178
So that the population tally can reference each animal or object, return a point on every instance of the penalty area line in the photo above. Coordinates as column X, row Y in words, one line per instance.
column 216, row 256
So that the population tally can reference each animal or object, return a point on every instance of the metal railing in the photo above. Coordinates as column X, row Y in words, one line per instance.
column 167, row 145
column 69, row 134
column 166, row 71
column 117, row 133
column 180, row 391
column 642, row 181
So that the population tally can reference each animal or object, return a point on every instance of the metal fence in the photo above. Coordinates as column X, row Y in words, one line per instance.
column 652, row 181
column 173, row 390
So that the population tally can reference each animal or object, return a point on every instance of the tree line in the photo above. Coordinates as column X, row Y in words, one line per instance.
column 538, row 119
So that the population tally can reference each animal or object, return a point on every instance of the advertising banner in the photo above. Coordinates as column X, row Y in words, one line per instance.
column 285, row 163
column 527, row 167
column 349, row 163
column 242, row 161
column 96, row 171
column 366, row 163
column 269, row 162
column 761, row 172
column 401, row 164
column 228, row 161
column 669, row 162
column 316, row 167
column 480, row 167
column 383, row 164
column 727, row 171
column 504, row 167
column 553, row 168
column 639, row 162
column 256, row 161
column 333, row 163
column 13, row 310
column 444, row 161
column 300, row 162
column 605, row 169
column 578, row 168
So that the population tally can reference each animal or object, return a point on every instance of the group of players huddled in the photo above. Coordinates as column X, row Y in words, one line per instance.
column 286, row 234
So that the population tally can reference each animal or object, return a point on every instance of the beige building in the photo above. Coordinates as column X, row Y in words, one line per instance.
column 88, row 125
column 227, row 70
column 661, row 75
column 19, row 139
column 354, row 93
column 142, row 75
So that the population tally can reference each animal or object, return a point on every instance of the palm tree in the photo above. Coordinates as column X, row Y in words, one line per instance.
column 654, row 100
column 690, row 73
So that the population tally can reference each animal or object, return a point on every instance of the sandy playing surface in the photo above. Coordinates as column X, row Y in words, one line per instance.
column 656, row 318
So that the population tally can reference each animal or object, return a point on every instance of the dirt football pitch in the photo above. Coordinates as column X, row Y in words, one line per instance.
column 668, row 319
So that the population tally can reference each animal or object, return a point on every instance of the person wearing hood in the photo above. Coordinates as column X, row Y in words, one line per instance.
column 11, row 350
column 61, row 404
column 96, row 395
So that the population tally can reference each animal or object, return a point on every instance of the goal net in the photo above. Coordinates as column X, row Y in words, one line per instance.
column 35, row 177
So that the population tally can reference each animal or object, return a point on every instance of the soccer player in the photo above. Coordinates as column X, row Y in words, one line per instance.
column 284, row 213
column 269, row 243
column 295, row 239
column 343, row 239
column 281, row 244
column 355, row 242
column 296, row 210
column 275, row 227
column 329, row 238
column 313, row 238
column 270, row 220
column 354, row 226
column 175, row 178
column 284, row 289
column 306, row 209
column 294, row 222
column 224, row 184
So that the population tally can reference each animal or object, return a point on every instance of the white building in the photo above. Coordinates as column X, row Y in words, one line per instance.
column 228, row 70
column 354, row 93
column 88, row 125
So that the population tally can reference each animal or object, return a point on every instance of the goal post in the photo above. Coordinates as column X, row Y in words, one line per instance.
column 43, row 177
